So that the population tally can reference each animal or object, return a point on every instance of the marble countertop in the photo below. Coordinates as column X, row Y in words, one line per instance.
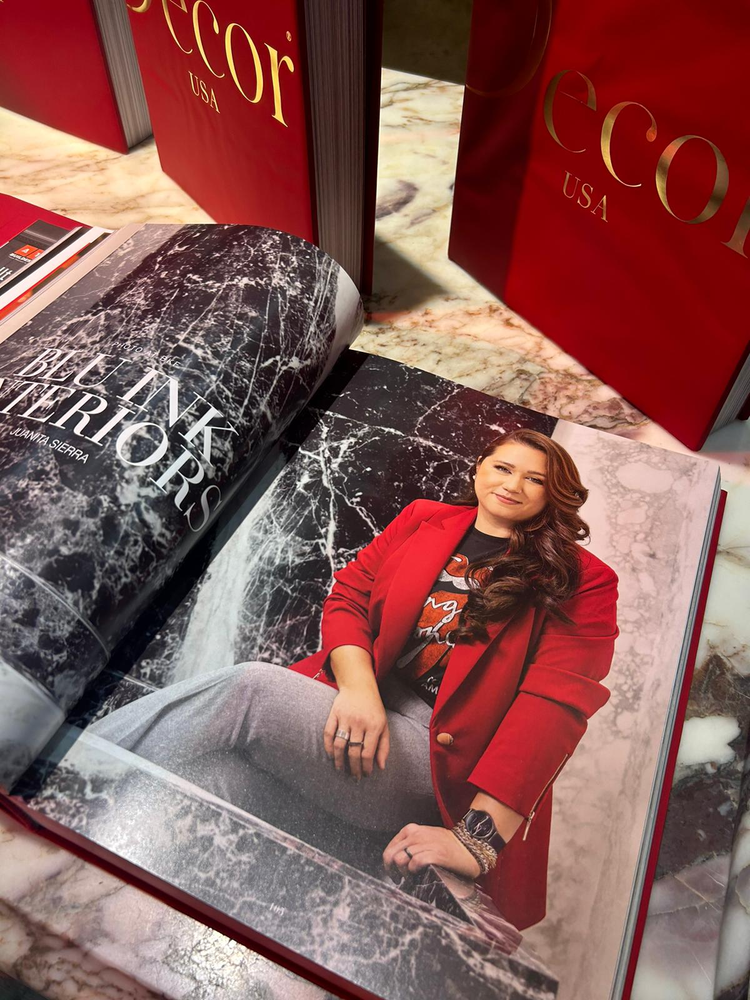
column 69, row 930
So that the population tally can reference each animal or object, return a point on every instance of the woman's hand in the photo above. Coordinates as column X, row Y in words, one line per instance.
column 359, row 712
column 414, row 847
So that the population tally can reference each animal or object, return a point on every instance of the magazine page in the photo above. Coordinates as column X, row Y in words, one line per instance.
column 201, row 761
column 131, row 409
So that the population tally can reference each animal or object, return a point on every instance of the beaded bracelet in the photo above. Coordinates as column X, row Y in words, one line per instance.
column 483, row 854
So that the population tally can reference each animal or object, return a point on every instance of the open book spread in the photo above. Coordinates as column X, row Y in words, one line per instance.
column 188, row 454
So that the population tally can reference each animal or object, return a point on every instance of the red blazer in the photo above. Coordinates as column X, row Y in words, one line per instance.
column 510, row 711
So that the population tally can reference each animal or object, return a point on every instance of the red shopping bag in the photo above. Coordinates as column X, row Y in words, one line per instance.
column 603, row 191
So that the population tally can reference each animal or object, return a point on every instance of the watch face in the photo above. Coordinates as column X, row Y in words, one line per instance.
column 480, row 824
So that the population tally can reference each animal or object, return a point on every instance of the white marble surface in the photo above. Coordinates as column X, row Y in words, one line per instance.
column 427, row 312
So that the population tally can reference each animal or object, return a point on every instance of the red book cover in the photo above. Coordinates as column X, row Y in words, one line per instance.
column 602, row 191
column 17, row 215
column 227, row 89
column 53, row 69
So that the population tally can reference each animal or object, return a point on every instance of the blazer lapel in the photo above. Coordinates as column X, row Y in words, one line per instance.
column 462, row 659
column 424, row 556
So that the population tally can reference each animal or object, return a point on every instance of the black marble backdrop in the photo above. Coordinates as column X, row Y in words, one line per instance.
column 130, row 409
column 377, row 436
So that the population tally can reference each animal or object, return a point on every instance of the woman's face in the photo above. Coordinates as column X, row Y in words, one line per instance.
column 510, row 487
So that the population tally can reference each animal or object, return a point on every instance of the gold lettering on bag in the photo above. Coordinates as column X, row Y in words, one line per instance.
column 606, row 140
column 737, row 242
column 721, row 182
column 565, row 186
column 242, row 79
column 549, row 100
column 601, row 207
column 585, row 195
column 168, row 19
column 276, row 65
column 256, row 62
column 201, row 89
column 198, row 37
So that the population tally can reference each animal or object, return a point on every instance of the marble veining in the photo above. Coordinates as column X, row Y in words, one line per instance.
column 260, row 597
column 646, row 511
column 464, row 899
column 131, row 409
column 70, row 931
column 346, row 922
column 696, row 942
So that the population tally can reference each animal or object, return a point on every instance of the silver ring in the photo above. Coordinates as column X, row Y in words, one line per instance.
column 342, row 734
column 408, row 853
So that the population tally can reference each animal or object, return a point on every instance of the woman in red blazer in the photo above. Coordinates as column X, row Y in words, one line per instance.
column 518, row 675
column 467, row 644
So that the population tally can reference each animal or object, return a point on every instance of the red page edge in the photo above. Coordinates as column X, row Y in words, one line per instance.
column 661, row 813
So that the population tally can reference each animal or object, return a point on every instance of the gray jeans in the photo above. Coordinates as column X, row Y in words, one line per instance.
column 252, row 734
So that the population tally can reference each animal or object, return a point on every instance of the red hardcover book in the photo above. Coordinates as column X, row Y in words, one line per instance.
column 268, row 115
column 16, row 216
column 72, row 66
column 602, row 192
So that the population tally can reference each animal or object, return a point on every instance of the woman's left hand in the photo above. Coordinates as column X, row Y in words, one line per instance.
column 414, row 847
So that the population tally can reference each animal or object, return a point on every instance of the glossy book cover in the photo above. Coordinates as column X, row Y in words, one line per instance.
column 235, row 85
column 54, row 69
column 228, row 83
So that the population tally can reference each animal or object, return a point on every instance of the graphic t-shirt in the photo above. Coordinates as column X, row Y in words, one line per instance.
column 425, row 656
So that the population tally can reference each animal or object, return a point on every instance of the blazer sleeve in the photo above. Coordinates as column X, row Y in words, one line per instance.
column 560, row 690
column 346, row 618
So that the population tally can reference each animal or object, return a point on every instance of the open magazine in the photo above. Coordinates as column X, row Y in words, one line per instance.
column 196, row 478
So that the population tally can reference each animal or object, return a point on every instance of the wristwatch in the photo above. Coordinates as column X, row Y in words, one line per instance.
column 480, row 825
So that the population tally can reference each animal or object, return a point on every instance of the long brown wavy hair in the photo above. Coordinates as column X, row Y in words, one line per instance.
column 541, row 566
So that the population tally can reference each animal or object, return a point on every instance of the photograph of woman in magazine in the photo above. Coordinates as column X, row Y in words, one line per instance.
column 463, row 651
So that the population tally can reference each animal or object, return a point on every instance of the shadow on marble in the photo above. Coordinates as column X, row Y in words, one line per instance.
column 398, row 283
